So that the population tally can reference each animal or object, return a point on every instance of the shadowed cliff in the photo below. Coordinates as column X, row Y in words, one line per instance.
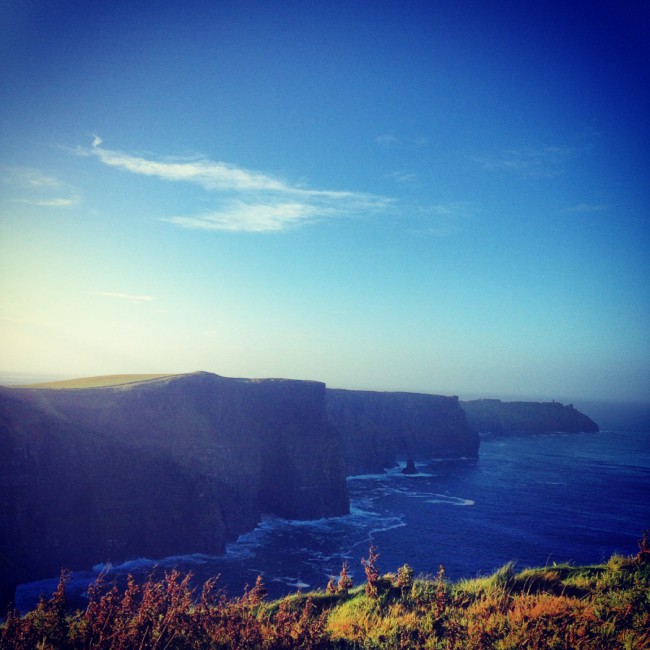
column 497, row 417
column 163, row 465
column 381, row 428
column 173, row 465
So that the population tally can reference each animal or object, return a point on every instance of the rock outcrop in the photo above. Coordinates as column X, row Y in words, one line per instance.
column 499, row 418
column 410, row 467
column 176, row 465
column 380, row 428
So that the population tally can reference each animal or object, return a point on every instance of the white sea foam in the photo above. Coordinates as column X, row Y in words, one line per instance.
column 248, row 544
column 415, row 477
column 397, row 472
column 133, row 565
column 389, row 524
column 453, row 501
column 293, row 583
column 193, row 558
column 392, row 473
column 435, row 498
column 367, row 477
column 245, row 546
column 145, row 564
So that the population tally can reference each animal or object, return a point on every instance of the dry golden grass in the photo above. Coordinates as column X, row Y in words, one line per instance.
column 97, row 382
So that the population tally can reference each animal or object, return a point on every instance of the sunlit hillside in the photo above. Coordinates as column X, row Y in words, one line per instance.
column 97, row 382
column 560, row 606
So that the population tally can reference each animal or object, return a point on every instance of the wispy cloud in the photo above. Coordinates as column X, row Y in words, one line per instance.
column 50, row 203
column 30, row 177
column 123, row 296
column 33, row 187
column 251, row 217
column 402, row 177
column 546, row 162
column 247, row 200
column 206, row 173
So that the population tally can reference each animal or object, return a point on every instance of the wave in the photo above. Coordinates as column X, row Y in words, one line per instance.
column 145, row 564
column 435, row 498
column 392, row 473
column 454, row 501
column 293, row 583
column 367, row 477
column 390, row 486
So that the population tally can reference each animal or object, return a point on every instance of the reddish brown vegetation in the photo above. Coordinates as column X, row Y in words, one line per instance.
column 597, row 608
column 161, row 614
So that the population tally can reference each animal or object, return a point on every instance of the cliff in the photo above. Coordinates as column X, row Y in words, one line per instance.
column 173, row 465
column 381, row 428
column 497, row 417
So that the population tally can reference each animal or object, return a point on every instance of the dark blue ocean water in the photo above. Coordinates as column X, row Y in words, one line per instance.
column 535, row 500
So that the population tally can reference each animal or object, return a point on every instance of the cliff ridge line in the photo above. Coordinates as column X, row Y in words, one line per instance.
column 504, row 418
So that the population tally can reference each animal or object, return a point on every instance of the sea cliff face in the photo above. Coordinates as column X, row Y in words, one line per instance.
column 499, row 418
column 381, row 428
column 184, row 464
column 176, row 465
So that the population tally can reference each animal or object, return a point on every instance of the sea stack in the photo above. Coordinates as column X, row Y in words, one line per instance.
column 410, row 467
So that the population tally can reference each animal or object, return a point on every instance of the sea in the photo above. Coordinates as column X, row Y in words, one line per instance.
column 535, row 500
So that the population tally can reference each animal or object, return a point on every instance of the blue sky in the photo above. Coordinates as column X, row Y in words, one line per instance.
column 444, row 197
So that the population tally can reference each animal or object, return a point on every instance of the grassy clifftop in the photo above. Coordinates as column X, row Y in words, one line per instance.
column 102, row 381
column 562, row 606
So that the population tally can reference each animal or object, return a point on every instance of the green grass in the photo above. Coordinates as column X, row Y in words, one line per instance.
column 97, row 382
column 597, row 607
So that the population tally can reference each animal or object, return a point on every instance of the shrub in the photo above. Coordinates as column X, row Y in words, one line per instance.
column 372, row 573
column 643, row 556
column 345, row 581
column 404, row 579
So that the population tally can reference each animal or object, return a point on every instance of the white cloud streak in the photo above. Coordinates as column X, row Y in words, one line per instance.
column 251, row 217
column 30, row 177
column 208, row 174
column 43, row 190
column 249, row 201
column 50, row 203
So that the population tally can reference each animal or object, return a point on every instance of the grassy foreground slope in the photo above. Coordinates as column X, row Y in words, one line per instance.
column 563, row 606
